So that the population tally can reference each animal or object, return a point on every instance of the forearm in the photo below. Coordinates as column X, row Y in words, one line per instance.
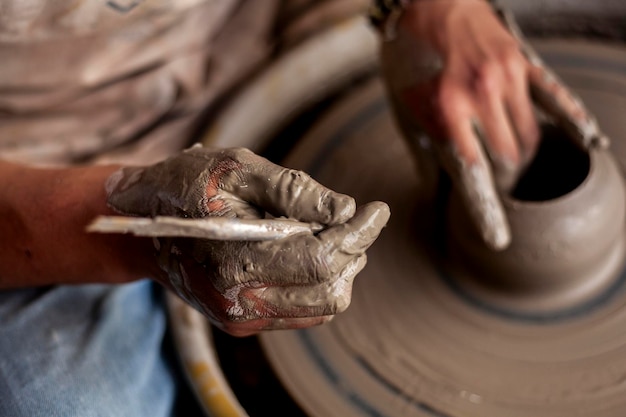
column 43, row 214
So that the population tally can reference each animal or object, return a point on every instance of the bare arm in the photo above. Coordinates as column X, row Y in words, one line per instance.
column 457, row 72
column 43, row 214
column 242, row 286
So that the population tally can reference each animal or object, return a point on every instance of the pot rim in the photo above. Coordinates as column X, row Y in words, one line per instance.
column 596, row 157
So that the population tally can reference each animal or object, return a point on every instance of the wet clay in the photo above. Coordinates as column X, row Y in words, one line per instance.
column 476, row 186
column 566, row 215
column 407, row 64
column 302, row 275
column 224, row 182
column 307, row 272
column 414, row 341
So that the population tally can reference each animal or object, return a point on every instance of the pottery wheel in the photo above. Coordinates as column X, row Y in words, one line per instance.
column 412, row 343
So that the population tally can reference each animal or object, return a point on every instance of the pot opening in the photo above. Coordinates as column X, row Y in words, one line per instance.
column 558, row 168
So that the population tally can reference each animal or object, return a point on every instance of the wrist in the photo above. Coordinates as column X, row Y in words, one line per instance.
column 386, row 16
column 43, row 215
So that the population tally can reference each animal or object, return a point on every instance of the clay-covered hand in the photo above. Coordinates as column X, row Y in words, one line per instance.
column 457, row 73
column 246, row 286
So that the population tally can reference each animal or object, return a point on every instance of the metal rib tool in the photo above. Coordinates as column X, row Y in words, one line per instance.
column 213, row 228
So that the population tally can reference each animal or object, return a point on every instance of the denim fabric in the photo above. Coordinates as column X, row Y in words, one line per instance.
column 91, row 350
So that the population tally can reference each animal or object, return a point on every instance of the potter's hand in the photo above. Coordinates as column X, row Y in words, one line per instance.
column 243, row 286
column 466, row 81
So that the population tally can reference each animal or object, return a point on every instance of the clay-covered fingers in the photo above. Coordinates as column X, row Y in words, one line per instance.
column 567, row 110
column 327, row 298
column 554, row 98
column 341, row 248
column 302, row 276
column 294, row 306
column 302, row 280
column 496, row 133
column 489, row 133
column 307, row 259
column 510, row 109
column 461, row 144
column 503, row 112
column 287, row 192
column 347, row 241
column 519, row 110
column 472, row 176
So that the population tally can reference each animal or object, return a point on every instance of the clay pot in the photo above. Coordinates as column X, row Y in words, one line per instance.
column 567, row 221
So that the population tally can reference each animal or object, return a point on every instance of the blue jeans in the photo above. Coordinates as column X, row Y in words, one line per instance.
column 90, row 350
